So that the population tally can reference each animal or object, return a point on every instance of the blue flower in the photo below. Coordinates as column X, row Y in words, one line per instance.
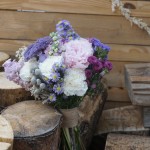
column 37, row 47
column 55, row 76
column 52, row 97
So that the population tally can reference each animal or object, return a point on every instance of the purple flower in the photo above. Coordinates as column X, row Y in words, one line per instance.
column 52, row 97
column 98, row 66
column 37, row 47
column 97, row 43
column 92, row 60
column 88, row 73
column 58, row 89
column 108, row 65
column 55, row 76
column 65, row 30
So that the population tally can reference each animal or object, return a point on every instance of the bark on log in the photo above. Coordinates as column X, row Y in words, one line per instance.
column 137, row 79
column 11, row 93
column 127, row 142
column 126, row 119
column 36, row 126
column 6, row 134
column 91, row 110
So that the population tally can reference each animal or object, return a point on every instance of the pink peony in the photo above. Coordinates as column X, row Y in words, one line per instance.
column 77, row 52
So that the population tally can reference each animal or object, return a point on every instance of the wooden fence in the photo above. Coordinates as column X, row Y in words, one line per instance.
column 23, row 21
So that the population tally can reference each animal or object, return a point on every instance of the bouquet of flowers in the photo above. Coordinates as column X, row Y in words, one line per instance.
column 61, row 68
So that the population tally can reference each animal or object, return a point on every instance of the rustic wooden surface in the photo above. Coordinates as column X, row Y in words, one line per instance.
column 90, row 112
column 127, row 142
column 146, row 117
column 3, row 57
column 6, row 134
column 36, row 126
column 138, row 83
column 128, row 118
column 10, row 93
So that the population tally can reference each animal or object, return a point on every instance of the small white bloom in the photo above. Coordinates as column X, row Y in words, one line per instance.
column 46, row 66
column 25, row 72
column 74, row 82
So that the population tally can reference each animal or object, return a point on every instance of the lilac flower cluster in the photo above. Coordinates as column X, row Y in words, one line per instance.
column 65, row 30
column 37, row 48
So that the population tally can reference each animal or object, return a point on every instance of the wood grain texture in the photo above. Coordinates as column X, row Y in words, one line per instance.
column 127, row 142
column 128, row 118
column 10, row 92
column 3, row 57
column 146, row 117
column 138, row 88
column 110, row 29
column 33, row 121
column 103, row 7
column 6, row 134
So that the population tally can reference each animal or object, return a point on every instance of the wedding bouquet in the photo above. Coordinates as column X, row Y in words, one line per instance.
column 61, row 68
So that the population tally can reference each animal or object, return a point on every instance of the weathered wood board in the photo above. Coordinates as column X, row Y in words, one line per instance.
column 128, row 118
column 146, row 117
column 3, row 57
column 36, row 126
column 137, row 78
column 127, row 142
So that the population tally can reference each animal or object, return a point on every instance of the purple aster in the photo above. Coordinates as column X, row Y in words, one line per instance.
column 52, row 97
column 65, row 30
column 58, row 89
column 55, row 76
column 42, row 57
column 88, row 73
column 105, row 47
column 92, row 60
column 37, row 47
column 108, row 65
column 98, row 66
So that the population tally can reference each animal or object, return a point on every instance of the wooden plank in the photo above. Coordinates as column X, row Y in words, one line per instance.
column 115, row 104
column 110, row 29
column 146, row 117
column 118, row 94
column 3, row 57
column 102, row 7
column 129, row 53
column 139, row 79
column 127, row 142
column 118, row 52
column 128, row 118
column 140, row 86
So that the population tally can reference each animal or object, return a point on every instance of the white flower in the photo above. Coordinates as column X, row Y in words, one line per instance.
column 74, row 82
column 25, row 72
column 46, row 66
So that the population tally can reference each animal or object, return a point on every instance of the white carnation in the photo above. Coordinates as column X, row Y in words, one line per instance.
column 46, row 66
column 74, row 82
column 25, row 72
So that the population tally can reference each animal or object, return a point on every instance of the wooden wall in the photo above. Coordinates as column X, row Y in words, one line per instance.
column 23, row 21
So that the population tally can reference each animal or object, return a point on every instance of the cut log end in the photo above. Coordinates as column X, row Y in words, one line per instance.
column 36, row 126
column 11, row 92
column 3, row 58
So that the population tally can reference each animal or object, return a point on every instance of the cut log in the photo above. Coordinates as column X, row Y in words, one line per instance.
column 127, row 142
column 91, row 110
column 11, row 93
column 128, row 119
column 5, row 146
column 3, row 57
column 6, row 134
column 137, row 79
column 36, row 126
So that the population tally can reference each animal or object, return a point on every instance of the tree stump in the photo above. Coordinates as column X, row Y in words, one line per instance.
column 137, row 79
column 127, row 142
column 6, row 134
column 123, row 119
column 36, row 126
column 90, row 111
column 3, row 58
column 11, row 93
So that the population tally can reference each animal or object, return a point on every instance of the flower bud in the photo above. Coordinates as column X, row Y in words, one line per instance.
column 37, row 72
column 42, row 86
column 33, row 80
column 38, row 81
